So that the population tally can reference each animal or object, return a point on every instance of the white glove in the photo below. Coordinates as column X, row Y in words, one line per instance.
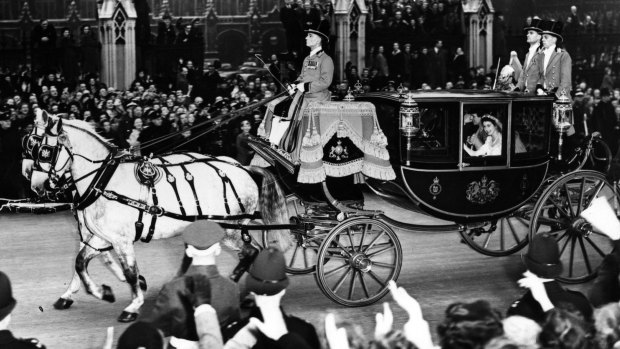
column 537, row 287
column 336, row 337
column 300, row 87
column 384, row 321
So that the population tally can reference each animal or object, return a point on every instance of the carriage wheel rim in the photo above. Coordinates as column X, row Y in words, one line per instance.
column 358, row 279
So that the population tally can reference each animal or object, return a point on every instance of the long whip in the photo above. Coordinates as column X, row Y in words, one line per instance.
column 496, row 73
column 259, row 57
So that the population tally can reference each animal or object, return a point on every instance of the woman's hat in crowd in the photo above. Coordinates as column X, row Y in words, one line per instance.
column 203, row 234
column 267, row 275
column 535, row 26
column 7, row 302
column 552, row 28
column 543, row 256
column 152, row 113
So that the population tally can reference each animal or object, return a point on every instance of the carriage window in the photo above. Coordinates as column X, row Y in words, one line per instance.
column 529, row 128
column 484, row 131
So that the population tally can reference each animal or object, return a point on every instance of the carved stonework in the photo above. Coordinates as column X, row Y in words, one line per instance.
column 164, row 9
column 25, row 15
column 73, row 15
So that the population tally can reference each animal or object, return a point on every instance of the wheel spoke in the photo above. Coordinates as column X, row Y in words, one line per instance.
column 363, row 237
column 585, row 255
column 581, row 193
column 384, row 265
column 350, row 239
column 305, row 253
column 572, row 256
column 548, row 220
column 486, row 241
column 344, row 249
column 559, row 208
column 595, row 247
column 374, row 276
column 363, row 282
column 294, row 256
column 570, row 203
column 502, row 244
column 375, row 253
column 374, row 240
column 597, row 191
column 341, row 280
column 565, row 242
column 327, row 273
column 352, row 284
column 512, row 230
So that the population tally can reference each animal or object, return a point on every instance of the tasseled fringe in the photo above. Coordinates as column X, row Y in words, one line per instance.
column 345, row 169
column 344, row 130
column 258, row 160
column 316, row 175
column 377, row 171
column 311, row 154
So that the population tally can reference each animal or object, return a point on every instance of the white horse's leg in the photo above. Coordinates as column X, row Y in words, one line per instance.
column 91, row 250
column 126, row 255
column 65, row 301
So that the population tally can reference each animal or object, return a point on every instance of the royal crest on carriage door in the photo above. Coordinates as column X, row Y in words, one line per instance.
column 483, row 191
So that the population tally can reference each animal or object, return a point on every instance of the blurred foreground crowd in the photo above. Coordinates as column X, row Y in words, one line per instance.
column 200, row 308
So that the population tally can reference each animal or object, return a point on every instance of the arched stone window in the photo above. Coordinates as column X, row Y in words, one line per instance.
column 120, row 22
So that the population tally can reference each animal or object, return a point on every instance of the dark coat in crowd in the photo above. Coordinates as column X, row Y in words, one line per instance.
column 310, row 19
column 166, row 34
column 68, row 59
column 89, row 46
column 8, row 341
column 290, row 16
column 604, row 121
column 209, row 83
column 606, row 286
column 396, row 64
column 437, row 67
column 43, row 42
column 175, row 316
column 10, row 168
column 561, row 298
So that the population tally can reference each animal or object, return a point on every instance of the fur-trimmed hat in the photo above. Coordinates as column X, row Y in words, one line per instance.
column 203, row 234
column 267, row 275
column 7, row 302
column 543, row 257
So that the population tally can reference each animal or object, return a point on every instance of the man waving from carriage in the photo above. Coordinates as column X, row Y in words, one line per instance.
column 284, row 116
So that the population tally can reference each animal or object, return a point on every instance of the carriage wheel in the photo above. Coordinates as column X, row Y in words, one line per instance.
column 356, row 261
column 598, row 159
column 557, row 212
column 503, row 236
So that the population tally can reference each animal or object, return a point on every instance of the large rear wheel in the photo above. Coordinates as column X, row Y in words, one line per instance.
column 356, row 261
column 557, row 213
column 500, row 237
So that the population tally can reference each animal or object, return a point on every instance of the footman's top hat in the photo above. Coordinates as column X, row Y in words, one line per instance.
column 543, row 256
column 313, row 31
column 7, row 302
column 552, row 28
column 533, row 26
column 267, row 275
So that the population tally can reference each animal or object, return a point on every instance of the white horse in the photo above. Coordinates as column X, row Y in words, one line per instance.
column 183, row 187
column 30, row 164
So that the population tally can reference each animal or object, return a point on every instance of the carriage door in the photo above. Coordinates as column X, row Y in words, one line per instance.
column 485, row 135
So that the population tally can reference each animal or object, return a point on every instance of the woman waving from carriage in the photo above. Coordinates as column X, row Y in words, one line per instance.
column 493, row 143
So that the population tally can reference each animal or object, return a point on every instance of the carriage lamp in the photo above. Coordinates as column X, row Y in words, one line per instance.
column 409, row 116
column 562, row 118
column 349, row 97
column 409, row 122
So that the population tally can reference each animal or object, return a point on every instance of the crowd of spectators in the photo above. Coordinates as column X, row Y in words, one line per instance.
column 202, row 309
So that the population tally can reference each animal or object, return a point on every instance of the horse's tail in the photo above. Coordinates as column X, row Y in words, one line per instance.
column 272, row 205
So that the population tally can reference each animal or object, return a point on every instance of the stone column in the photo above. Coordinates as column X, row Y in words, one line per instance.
column 478, row 16
column 350, row 32
column 117, row 22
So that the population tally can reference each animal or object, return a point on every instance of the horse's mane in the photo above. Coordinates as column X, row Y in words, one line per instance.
column 85, row 127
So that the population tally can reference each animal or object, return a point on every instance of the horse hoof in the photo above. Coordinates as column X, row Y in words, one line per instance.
column 142, row 282
column 127, row 317
column 62, row 304
column 108, row 295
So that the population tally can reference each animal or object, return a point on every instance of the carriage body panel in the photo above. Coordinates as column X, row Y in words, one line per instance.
column 441, row 178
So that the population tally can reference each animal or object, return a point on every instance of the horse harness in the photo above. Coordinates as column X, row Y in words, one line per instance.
column 146, row 173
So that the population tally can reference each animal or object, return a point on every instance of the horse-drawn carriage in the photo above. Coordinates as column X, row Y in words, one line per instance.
column 409, row 149
column 495, row 201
